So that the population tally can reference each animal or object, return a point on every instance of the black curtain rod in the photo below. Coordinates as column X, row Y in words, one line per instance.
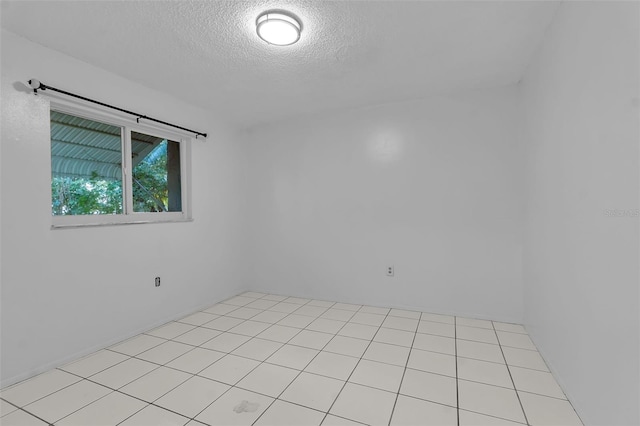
column 38, row 85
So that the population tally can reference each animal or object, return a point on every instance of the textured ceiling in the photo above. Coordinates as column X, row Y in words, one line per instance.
column 351, row 53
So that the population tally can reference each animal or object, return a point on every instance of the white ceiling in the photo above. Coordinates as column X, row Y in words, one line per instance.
column 351, row 53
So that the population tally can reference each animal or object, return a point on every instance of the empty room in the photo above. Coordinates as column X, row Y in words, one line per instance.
column 320, row 213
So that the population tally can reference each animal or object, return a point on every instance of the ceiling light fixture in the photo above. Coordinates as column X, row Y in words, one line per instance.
column 278, row 27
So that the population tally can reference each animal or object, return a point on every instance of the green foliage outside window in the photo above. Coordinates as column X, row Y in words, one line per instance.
column 96, row 195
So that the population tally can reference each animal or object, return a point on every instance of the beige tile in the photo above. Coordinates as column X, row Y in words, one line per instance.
column 230, row 369
column 64, row 402
column 6, row 408
column 137, row 344
column 332, row 365
column 511, row 328
column 279, row 333
column 313, row 391
column 445, row 319
column 292, row 356
column 403, row 313
column 21, row 418
column 165, row 352
column 44, row 384
column 270, row 317
column 155, row 416
column 268, row 379
column 545, row 411
column 524, row 358
column 312, row 311
column 534, row 381
column 332, row 420
column 297, row 321
column 399, row 323
column 432, row 362
column 374, row 310
column 94, row 363
column 364, row 404
column 192, row 396
column 395, row 337
column 390, row 354
column 491, row 400
column 485, row 372
column 198, row 318
column 223, row 323
column 197, row 336
column 412, row 411
column 516, row 340
column 436, row 328
column 107, row 411
column 347, row 306
column 254, row 294
column 311, row 339
column 274, row 297
column 468, row 418
column 378, row 375
column 244, row 313
column 249, row 328
column 282, row 413
column 358, row 331
column 196, row 360
column 479, row 350
column 236, row 407
column 347, row 346
column 220, row 309
column 338, row 314
column 429, row 386
column 155, row 384
column 258, row 349
column 120, row 374
column 325, row 325
column 476, row 334
column 260, row 304
column 429, row 342
column 226, row 342
column 472, row 322
column 240, row 300
column 284, row 307
column 170, row 330
column 321, row 303
column 375, row 320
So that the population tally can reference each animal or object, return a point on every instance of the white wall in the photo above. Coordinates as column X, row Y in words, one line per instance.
column 581, row 266
column 429, row 186
column 67, row 292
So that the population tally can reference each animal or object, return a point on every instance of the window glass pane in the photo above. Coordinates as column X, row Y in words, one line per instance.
column 86, row 166
column 156, row 176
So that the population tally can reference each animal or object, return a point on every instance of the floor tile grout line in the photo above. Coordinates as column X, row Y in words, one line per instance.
column 356, row 366
column 404, row 371
column 28, row 412
column 512, row 381
column 455, row 348
column 42, row 397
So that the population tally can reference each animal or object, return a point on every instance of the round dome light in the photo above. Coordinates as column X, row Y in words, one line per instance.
column 278, row 28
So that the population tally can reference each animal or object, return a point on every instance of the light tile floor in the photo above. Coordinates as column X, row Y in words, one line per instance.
column 275, row 360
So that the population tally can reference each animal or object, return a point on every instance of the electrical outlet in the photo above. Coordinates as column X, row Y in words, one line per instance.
column 157, row 281
column 390, row 271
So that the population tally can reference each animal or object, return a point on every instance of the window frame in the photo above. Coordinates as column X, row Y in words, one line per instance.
column 128, row 216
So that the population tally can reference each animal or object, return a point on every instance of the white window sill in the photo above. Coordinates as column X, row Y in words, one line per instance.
column 71, row 222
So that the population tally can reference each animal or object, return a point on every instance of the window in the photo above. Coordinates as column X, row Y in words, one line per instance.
column 91, row 157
